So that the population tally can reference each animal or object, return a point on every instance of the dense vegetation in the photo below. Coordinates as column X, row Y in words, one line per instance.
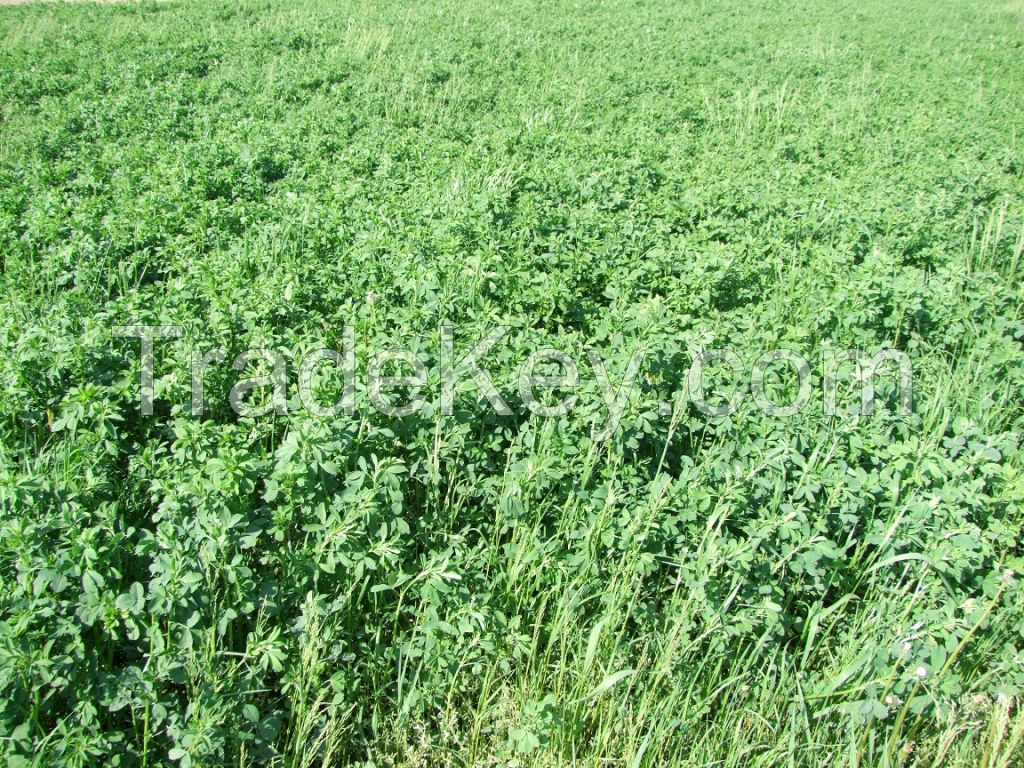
column 498, row 590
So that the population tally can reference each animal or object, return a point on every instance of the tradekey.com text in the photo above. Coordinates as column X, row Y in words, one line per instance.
column 548, row 382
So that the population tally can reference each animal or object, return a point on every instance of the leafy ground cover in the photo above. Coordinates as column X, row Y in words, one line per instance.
column 479, row 589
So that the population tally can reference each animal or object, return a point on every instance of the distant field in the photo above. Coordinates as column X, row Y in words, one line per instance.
column 20, row 2
column 289, row 557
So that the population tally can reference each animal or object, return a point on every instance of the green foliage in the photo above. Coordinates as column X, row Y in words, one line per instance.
column 501, row 590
